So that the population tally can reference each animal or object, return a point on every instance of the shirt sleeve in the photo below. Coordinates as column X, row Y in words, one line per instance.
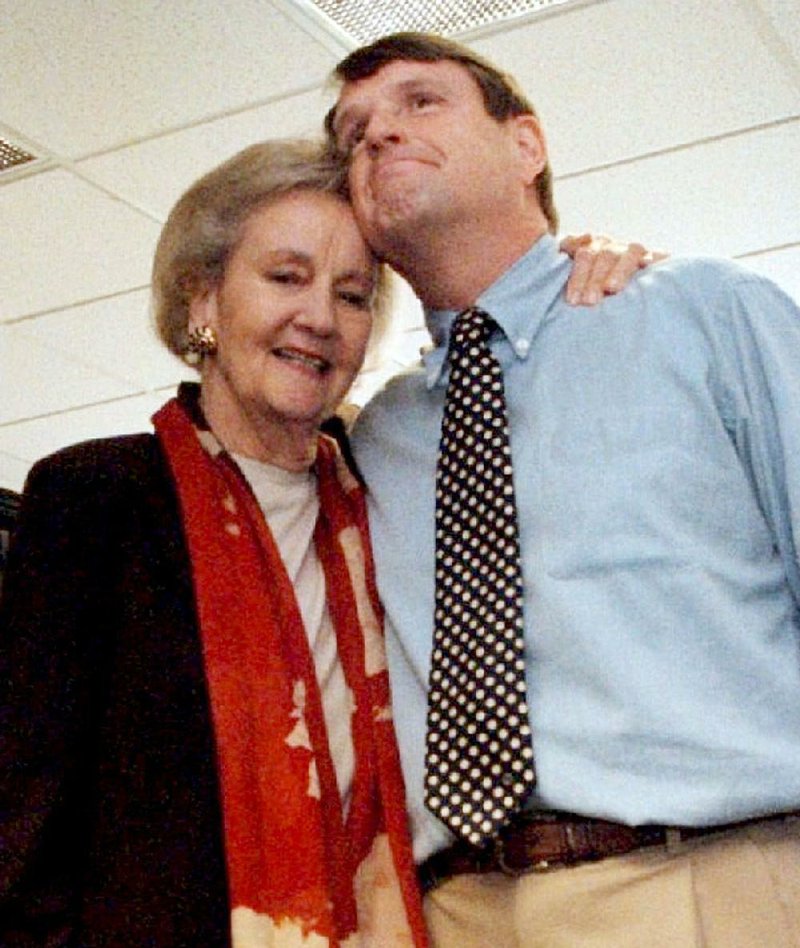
column 760, row 341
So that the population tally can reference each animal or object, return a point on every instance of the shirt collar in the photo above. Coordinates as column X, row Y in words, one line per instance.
column 519, row 301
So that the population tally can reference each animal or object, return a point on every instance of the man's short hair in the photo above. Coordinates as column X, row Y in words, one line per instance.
column 501, row 95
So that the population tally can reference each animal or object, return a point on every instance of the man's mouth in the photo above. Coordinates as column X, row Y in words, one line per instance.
column 317, row 363
column 396, row 163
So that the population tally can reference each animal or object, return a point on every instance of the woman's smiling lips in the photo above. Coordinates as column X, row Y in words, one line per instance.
column 308, row 359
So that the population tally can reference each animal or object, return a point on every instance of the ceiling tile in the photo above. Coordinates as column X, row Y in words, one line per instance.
column 37, row 379
column 153, row 174
column 115, row 336
column 82, row 76
column 784, row 18
column 70, row 243
column 34, row 439
column 620, row 79
column 729, row 197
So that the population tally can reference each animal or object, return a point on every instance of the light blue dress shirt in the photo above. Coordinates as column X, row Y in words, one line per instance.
column 656, row 446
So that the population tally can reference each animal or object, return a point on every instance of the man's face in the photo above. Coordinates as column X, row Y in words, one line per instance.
column 424, row 153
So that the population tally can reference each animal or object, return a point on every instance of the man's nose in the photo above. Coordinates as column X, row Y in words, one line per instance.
column 383, row 127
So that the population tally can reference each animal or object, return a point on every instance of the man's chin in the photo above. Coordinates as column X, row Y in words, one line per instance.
column 395, row 217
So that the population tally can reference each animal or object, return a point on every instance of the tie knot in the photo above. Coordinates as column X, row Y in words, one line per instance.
column 471, row 326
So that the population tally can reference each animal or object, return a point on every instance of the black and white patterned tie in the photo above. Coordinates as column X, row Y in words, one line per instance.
column 479, row 760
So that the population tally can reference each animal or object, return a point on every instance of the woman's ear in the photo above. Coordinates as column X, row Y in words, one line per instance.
column 203, row 309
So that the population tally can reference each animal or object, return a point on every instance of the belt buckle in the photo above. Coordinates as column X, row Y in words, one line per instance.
column 543, row 865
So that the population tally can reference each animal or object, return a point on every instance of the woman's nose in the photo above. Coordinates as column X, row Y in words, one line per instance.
column 317, row 312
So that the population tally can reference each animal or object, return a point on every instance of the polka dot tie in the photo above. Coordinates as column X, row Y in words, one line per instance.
column 479, row 760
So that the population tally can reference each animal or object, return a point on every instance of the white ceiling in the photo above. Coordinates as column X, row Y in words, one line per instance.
column 674, row 123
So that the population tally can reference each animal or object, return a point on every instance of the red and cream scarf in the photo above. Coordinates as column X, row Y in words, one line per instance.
column 299, row 873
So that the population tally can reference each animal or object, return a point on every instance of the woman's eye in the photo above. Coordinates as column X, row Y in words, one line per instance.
column 284, row 276
column 356, row 298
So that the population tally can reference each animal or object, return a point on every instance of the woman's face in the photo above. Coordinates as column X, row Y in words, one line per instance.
column 292, row 316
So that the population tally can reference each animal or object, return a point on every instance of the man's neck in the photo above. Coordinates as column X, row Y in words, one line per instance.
column 450, row 270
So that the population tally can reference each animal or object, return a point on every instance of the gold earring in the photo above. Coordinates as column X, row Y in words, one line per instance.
column 201, row 341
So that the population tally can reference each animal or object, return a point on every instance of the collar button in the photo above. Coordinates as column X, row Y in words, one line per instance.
column 522, row 347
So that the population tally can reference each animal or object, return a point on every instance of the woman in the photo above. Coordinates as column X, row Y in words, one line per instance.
column 198, row 748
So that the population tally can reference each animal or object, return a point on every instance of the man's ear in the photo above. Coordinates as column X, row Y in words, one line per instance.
column 532, row 146
column 203, row 309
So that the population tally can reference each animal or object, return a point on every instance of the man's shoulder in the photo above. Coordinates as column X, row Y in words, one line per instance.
column 701, row 274
column 718, row 292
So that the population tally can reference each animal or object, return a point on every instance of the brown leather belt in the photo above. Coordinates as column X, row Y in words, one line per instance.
column 538, row 842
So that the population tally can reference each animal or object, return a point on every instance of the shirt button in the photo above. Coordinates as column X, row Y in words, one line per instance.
column 521, row 347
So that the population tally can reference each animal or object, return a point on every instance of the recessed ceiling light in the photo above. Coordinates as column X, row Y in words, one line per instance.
column 366, row 20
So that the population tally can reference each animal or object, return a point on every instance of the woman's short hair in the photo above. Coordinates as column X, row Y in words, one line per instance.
column 205, row 226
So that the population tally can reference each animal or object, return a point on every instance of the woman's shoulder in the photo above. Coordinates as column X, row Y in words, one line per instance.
column 102, row 462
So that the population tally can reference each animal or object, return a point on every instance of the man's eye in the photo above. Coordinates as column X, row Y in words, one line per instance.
column 351, row 138
column 421, row 99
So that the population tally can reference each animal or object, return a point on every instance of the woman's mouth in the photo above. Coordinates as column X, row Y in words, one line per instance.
column 317, row 363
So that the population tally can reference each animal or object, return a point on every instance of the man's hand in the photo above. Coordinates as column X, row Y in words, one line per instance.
column 603, row 266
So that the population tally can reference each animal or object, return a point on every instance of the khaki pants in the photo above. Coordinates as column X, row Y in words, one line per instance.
column 738, row 889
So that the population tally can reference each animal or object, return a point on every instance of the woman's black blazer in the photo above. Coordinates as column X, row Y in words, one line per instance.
column 110, row 818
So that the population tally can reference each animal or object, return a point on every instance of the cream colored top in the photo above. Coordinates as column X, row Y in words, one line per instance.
column 290, row 504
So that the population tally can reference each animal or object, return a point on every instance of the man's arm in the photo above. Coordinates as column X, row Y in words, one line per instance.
column 761, row 340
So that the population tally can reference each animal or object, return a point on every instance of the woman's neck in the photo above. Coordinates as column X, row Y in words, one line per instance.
column 291, row 445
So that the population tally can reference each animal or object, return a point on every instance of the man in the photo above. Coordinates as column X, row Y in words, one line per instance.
column 656, row 475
